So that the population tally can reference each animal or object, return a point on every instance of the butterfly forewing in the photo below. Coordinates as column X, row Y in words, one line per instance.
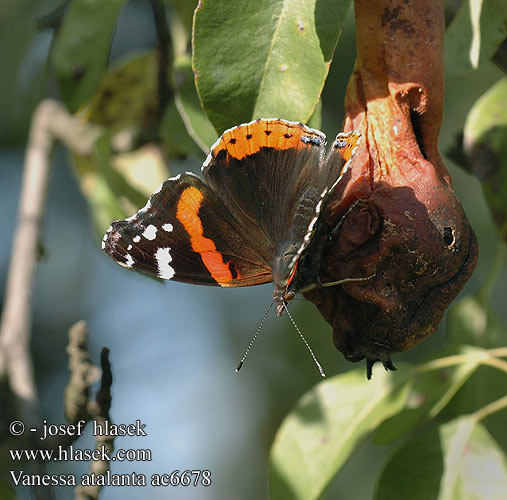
column 176, row 236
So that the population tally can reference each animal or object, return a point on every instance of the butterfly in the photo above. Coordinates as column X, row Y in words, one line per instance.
column 251, row 219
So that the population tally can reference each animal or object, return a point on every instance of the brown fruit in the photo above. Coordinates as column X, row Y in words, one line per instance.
column 397, row 215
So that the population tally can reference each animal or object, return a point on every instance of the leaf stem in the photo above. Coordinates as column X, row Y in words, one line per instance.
column 500, row 364
column 165, row 55
column 490, row 408
column 498, row 352
column 487, row 357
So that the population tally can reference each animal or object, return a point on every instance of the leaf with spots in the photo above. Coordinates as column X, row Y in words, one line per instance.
column 82, row 46
column 268, row 58
column 126, row 96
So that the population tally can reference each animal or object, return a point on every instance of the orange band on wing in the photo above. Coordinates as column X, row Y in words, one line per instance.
column 187, row 213
column 246, row 140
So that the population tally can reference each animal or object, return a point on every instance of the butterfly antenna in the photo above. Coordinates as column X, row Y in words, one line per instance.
column 304, row 340
column 254, row 338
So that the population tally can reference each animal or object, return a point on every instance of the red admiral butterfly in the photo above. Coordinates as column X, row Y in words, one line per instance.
column 251, row 221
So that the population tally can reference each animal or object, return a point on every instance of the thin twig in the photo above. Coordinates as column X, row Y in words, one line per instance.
column 17, row 314
column 490, row 408
column 497, row 363
column 50, row 121
column 164, row 50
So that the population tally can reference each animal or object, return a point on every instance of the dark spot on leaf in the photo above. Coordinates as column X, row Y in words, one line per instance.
column 78, row 73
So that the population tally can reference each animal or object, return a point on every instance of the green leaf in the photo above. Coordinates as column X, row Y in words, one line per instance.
column 116, row 181
column 82, row 48
column 474, row 34
column 325, row 427
column 485, row 145
column 126, row 94
column 267, row 58
column 117, row 186
column 187, row 102
column 414, row 470
column 431, row 392
column 472, row 320
column 475, row 466
column 174, row 135
column 458, row 461
column 488, row 115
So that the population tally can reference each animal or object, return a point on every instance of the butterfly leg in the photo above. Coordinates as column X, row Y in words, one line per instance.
column 345, row 280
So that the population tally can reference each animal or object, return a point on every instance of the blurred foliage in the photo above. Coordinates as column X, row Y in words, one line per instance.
column 247, row 58
column 461, row 452
column 87, row 24
column 474, row 35
column 6, row 490
column 485, row 149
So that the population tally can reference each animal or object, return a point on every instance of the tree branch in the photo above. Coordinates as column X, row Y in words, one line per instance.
column 50, row 121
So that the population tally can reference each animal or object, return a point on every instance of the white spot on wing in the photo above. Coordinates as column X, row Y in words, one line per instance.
column 136, row 239
column 163, row 257
column 395, row 130
column 167, row 227
column 103, row 245
column 150, row 233
column 129, row 261
column 129, row 247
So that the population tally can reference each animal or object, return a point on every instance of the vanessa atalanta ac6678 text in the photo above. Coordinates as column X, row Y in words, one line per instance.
column 252, row 220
